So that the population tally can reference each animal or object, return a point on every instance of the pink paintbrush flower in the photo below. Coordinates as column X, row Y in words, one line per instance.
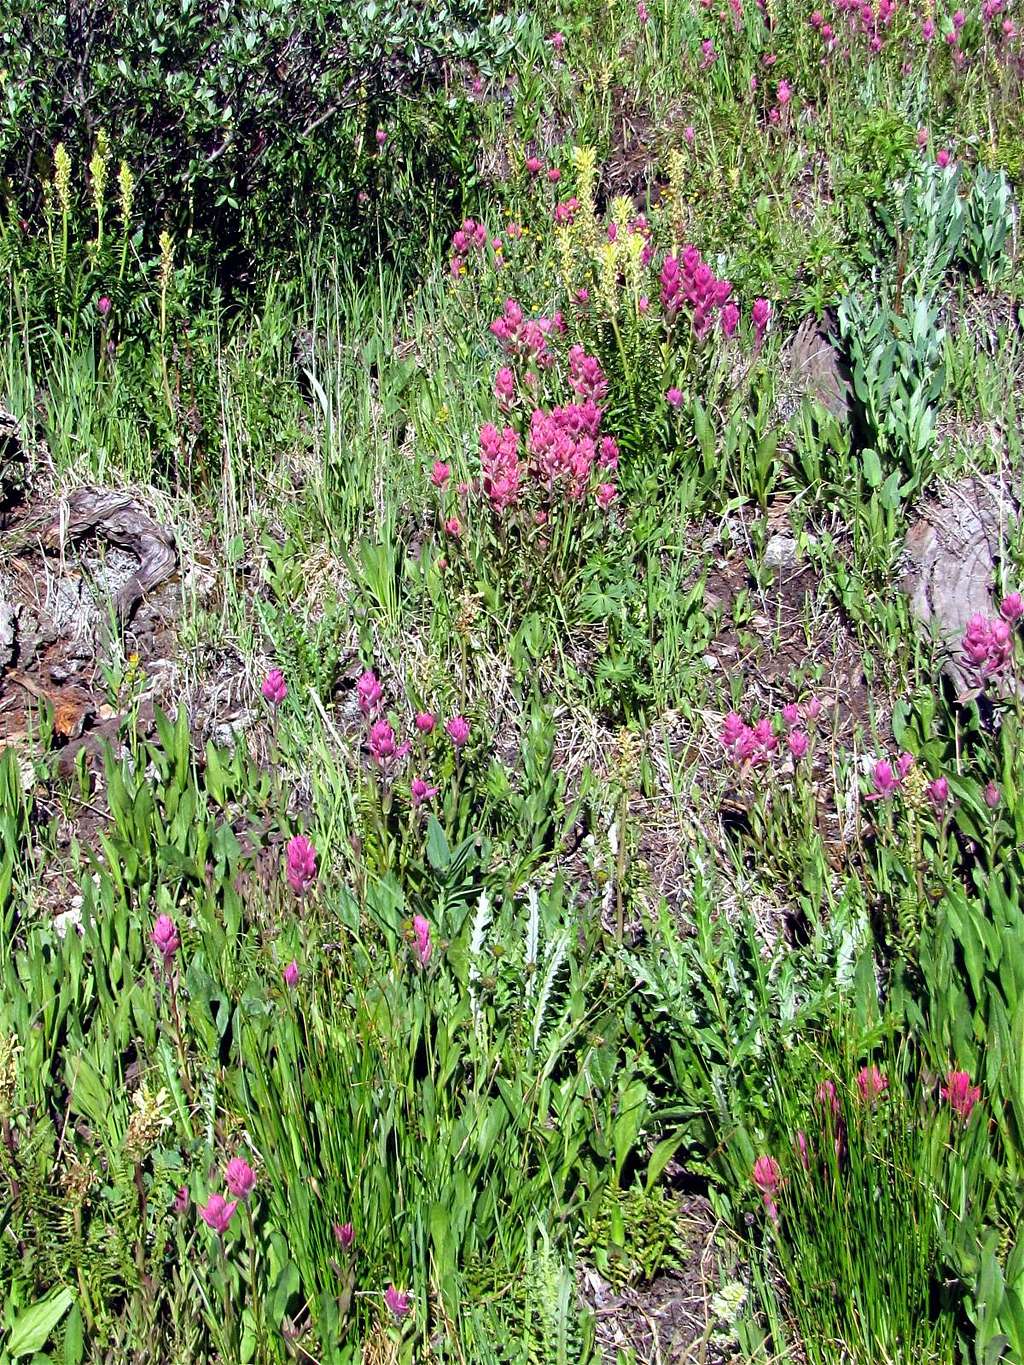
column 217, row 1213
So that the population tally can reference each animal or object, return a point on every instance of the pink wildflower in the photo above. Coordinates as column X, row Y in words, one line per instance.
column 421, row 792
column 871, row 1084
column 802, row 1149
column 275, row 689
column 827, row 1097
column 425, row 722
column 674, row 397
column 369, row 692
column 505, row 387
column 767, row 1177
column 884, row 780
column 103, row 306
column 606, row 495
column 458, row 730
column 382, row 743
column 943, row 158
column 217, row 1213
column 784, row 93
column 291, row 974
column 239, row 1177
column 992, row 796
column 797, row 742
column 440, row 474
column 987, row 644
column 421, row 933
column 764, row 734
column 760, row 316
column 165, row 938
column 960, row 1094
column 454, row 527
column 938, row 792
column 554, row 175
column 1011, row 608
column 344, row 1234
column 499, row 460
column 381, row 137
column 395, row 1299
column 791, row 714
column 730, row 319
column 732, row 728
column 301, row 864
column 689, row 136
column 181, row 1200
column 534, row 165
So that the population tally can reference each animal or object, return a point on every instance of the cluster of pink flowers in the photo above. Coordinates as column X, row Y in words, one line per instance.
column 886, row 780
column 382, row 742
column 872, row 1085
column 499, row 459
column 868, row 21
column 586, row 376
column 566, row 211
column 470, row 238
column 218, row 1212
column 566, row 446
column 990, row 12
column 687, row 278
column 824, row 30
column 988, row 644
column 527, row 339
column 758, row 743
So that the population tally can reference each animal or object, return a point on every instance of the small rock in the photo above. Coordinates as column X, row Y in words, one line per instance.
column 8, row 630
column 781, row 552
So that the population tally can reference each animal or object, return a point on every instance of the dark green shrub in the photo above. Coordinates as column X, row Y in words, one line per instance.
column 232, row 114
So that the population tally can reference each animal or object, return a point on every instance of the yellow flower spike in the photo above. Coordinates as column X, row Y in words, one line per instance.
column 676, row 188
column 608, row 277
column 634, row 267
column 62, row 176
column 166, row 258
column 98, row 165
column 566, row 255
column 126, row 189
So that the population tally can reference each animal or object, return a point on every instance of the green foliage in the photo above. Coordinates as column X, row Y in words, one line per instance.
column 898, row 376
column 232, row 115
column 542, row 980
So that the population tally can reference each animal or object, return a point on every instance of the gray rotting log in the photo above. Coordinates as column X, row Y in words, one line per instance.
column 953, row 553
column 816, row 368
column 118, row 518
